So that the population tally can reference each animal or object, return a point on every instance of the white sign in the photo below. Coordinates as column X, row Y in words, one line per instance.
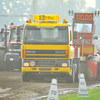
column 11, row 59
column 82, row 92
column 53, row 93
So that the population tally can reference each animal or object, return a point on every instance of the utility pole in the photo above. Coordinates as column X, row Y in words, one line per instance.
column 82, row 46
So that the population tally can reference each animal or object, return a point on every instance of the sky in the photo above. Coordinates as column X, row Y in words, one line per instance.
column 59, row 7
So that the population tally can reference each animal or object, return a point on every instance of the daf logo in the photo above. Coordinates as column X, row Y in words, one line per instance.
column 60, row 51
column 31, row 51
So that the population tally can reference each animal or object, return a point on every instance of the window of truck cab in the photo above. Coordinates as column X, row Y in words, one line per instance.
column 13, row 35
column 83, row 27
column 45, row 35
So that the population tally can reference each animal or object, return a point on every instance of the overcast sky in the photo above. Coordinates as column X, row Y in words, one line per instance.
column 30, row 7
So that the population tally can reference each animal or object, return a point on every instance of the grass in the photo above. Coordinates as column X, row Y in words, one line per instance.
column 94, row 94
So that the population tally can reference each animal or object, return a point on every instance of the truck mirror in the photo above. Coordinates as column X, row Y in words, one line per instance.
column 7, row 33
column 18, row 33
column 11, row 30
column 95, row 37
column 2, row 38
column 75, row 35
column 18, row 30
column 18, row 38
column 2, row 30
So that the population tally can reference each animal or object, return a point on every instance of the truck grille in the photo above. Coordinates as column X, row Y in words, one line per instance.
column 45, row 53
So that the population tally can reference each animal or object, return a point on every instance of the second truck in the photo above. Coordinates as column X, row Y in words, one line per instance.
column 84, row 46
column 11, row 47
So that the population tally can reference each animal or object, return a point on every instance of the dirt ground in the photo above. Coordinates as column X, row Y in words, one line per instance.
column 13, row 88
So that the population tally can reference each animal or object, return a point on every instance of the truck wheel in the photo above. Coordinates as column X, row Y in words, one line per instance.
column 77, row 68
column 71, row 79
column 2, row 63
column 98, row 71
column 20, row 66
column 77, row 74
column 25, row 78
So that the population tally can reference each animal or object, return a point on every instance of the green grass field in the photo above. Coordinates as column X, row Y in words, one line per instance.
column 94, row 94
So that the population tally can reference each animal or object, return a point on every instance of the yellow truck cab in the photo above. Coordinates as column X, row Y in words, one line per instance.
column 47, row 49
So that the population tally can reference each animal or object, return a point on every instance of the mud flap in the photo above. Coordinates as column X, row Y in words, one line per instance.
column 98, row 71
column 77, row 72
column 71, row 79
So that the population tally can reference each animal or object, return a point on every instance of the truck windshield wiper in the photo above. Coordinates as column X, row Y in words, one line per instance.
column 36, row 41
column 58, row 41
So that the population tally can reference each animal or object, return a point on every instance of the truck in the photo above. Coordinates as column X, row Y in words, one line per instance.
column 84, row 46
column 3, row 35
column 97, row 42
column 13, row 54
column 11, row 57
column 47, row 49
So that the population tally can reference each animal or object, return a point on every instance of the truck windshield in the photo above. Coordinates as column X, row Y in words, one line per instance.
column 13, row 35
column 46, row 36
column 83, row 28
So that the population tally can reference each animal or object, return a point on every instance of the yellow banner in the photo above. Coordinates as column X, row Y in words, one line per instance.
column 46, row 17
column 88, row 49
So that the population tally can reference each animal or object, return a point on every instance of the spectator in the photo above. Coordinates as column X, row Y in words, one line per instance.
column 31, row 35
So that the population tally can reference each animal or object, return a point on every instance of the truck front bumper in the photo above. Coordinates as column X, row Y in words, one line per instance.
column 49, row 70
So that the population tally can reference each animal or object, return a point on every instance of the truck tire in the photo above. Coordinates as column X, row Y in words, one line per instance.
column 2, row 63
column 25, row 78
column 77, row 74
column 71, row 79
column 98, row 71
column 77, row 68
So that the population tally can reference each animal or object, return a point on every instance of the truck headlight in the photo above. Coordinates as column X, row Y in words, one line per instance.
column 64, row 64
column 26, row 64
